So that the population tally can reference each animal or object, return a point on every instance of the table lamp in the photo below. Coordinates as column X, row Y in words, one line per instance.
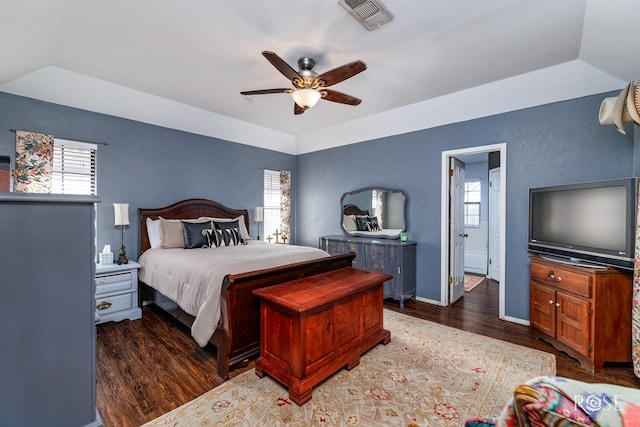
column 258, row 213
column 121, row 213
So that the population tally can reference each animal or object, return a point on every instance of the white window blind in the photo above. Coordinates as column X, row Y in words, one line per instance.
column 272, row 219
column 74, row 167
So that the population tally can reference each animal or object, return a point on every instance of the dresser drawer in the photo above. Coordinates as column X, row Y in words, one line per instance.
column 334, row 247
column 112, row 304
column 106, row 284
column 564, row 279
column 379, row 251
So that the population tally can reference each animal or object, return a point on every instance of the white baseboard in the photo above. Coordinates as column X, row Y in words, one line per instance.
column 430, row 301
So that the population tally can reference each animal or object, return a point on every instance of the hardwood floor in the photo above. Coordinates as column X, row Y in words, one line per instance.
column 150, row 366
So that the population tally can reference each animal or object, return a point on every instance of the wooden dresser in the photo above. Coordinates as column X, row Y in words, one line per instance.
column 312, row 327
column 585, row 312
column 392, row 257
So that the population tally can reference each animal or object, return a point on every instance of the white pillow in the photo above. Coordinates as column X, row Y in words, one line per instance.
column 243, row 227
column 153, row 231
column 349, row 222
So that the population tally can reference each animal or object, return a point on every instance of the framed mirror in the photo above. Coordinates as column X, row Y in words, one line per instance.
column 373, row 212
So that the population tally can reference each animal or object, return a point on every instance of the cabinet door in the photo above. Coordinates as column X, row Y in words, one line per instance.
column 543, row 308
column 573, row 322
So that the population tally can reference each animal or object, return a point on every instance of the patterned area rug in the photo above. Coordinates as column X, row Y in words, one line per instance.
column 428, row 375
column 471, row 281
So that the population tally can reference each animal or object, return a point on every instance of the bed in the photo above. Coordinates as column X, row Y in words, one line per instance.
column 235, row 329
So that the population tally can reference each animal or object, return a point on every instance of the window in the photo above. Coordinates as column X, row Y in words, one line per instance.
column 472, row 203
column 74, row 167
column 271, row 211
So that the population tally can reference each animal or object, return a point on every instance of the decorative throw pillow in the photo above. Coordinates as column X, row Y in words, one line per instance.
column 194, row 236
column 244, row 233
column 361, row 223
column 367, row 223
column 230, row 232
column 214, row 237
column 171, row 234
column 349, row 222
column 372, row 223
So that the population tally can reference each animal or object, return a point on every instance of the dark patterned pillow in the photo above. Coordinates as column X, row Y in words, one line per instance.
column 372, row 223
column 367, row 223
column 193, row 234
column 214, row 237
column 361, row 223
column 230, row 232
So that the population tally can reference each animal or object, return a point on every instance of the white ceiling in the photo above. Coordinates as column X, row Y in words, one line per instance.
column 182, row 64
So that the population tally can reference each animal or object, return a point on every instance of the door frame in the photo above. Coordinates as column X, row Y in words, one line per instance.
column 444, row 219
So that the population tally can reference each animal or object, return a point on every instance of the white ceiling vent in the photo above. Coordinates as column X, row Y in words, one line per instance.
column 370, row 13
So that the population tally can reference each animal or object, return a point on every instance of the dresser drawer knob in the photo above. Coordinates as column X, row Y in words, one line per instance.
column 552, row 276
column 379, row 267
column 379, row 252
column 550, row 302
column 103, row 281
column 103, row 305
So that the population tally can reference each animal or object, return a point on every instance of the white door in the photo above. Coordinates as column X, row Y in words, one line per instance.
column 456, row 230
column 494, row 224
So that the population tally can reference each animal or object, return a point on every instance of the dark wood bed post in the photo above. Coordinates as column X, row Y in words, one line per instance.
column 237, row 337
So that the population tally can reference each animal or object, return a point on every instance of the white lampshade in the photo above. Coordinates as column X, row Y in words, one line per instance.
column 121, row 213
column 306, row 98
column 258, row 214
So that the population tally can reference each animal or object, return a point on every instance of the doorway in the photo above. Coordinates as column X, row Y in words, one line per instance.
column 498, row 262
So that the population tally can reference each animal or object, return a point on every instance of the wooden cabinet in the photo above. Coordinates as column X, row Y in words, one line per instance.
column 583, row 311
column 312, row 327
column 392, row 257
column 117, row 292
column 47, row 310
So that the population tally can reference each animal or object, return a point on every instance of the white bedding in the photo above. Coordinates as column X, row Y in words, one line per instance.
column 193, row 277
column 384, row 232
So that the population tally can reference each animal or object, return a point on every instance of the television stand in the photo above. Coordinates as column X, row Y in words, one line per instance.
column 585, row 312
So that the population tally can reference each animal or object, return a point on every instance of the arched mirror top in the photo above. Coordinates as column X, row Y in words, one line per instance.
column 373, row 212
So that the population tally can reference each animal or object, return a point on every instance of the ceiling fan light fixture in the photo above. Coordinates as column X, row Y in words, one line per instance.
column 306, row 98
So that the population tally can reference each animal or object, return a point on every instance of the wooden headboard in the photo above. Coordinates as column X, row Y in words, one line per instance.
column 186, row 209
column 354, row 210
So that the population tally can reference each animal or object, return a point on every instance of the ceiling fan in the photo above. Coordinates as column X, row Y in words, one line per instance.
column 309, row 87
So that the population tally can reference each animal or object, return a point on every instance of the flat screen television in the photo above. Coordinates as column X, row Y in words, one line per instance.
column 585, row 224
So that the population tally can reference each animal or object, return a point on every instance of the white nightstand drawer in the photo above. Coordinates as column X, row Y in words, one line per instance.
column 114, row 283
column 115, row 303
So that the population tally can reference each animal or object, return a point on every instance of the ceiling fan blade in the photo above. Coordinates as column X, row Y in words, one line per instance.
column 297, row 109
column 283, row 67
column 266, row 91
column 342, row 98
column 341, row 73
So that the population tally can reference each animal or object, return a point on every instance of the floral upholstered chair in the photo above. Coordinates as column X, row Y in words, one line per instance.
column 556, row 401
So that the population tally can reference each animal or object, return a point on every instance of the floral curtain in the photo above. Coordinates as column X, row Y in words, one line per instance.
column 34, row 162
column 285, row 204
column 635, row 313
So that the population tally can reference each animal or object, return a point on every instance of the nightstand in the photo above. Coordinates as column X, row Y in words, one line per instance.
column 117, row 292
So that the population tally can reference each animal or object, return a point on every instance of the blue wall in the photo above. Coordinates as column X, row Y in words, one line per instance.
column 552, row 144
column 150, row 166
column 147, row 166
